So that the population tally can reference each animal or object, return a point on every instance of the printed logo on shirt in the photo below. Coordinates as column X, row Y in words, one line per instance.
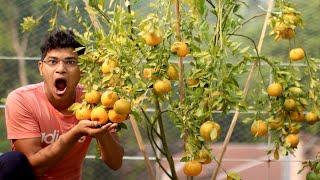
column 50, row 138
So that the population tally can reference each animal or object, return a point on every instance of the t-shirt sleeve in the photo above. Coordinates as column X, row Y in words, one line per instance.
column 20, row 121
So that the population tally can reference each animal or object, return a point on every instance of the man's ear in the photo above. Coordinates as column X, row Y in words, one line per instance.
column 40, row 65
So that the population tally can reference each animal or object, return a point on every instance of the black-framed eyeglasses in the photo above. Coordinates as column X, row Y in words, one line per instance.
column 70, row 62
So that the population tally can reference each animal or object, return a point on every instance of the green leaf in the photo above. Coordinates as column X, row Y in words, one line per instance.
column 233, row 175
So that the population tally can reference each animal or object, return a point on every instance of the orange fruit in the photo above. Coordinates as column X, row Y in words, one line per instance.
column 192, row 82
column 108, row 98
column 181, row 48
column 152, row 38
column 115, row 117
column 147, row 73
column 289, row 104
column 108, row 66
column 294, row 128
column 192, row 168
column 99, row 114
column 83, row 113
column 292, row 140
column 92, row 97
column 311, row 118
column 206, row 129
column 296, row 116
column 122, row 106
column 296, row 54
column 283, row 31
column 204, row 156
column 275, row 123
column 161, row 87
column 172, row 72
column 259, row 128
column 296, row 91
column 291, row 18
column 274, row 89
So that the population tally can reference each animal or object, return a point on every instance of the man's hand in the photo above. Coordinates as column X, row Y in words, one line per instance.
column 93, row 129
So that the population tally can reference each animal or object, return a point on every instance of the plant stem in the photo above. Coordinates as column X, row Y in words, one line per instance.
column 163, row 140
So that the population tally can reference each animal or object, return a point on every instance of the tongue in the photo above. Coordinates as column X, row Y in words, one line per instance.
column 61, row 87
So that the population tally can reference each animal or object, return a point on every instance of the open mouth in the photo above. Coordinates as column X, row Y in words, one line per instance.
column 61, row 86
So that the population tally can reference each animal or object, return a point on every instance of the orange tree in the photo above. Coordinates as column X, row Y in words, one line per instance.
column 134, row 62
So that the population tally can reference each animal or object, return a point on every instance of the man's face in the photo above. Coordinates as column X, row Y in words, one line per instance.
column 61, row 73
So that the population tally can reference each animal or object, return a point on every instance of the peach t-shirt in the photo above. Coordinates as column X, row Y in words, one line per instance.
column 29, row 114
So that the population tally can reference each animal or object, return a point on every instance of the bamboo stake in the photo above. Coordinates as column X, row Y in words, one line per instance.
column 181, row 66
column 92, row 16
column 142, row 147
column 245, row 92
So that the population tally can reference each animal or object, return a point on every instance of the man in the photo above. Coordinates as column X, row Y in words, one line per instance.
column 40, row 125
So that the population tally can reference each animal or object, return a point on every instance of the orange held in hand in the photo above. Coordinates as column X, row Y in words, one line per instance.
column 83, row 114
column 108, row 98
column 122, row 106
column 92, row 97
column 99, row 114
column 115, row 117
column 192, row 168
column 296, row 54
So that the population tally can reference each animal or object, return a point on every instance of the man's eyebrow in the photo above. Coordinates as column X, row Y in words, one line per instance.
column 69, row 57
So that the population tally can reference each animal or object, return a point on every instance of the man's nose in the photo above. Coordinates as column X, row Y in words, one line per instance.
column 61, row 67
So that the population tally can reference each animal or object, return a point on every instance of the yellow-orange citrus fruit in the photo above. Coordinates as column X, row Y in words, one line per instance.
column 274, row 89
column 294, row 128
column 115, row 117
column 162, row 86
column 192, row 82
column 275, row 123
column 83, row 114
column 147, row 73
column 172, row 72
column 311, row 118
column 283, row 31
column 108, row 99
column 108, row 66
column 296, row 54
column 296, row 91
column 291, row 18
column 259, row 128
column 192, row 168
column 296, row 116
column 181, row 48
column 92, row 97
column 204, row 156
column 206, row 129
column 289, row 104
column 152, row 38
column 122, row 106
column 99, row 114
column 292, row 140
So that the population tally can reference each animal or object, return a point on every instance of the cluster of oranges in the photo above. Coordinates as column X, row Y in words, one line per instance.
column 287, row 118
column 209, row 131
column 284, row 24
column 103, row 106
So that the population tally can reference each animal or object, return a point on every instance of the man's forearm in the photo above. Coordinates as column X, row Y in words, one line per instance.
column 111, row 151
column 54, row 152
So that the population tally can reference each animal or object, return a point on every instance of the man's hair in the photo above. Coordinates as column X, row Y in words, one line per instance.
column 60, row 39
